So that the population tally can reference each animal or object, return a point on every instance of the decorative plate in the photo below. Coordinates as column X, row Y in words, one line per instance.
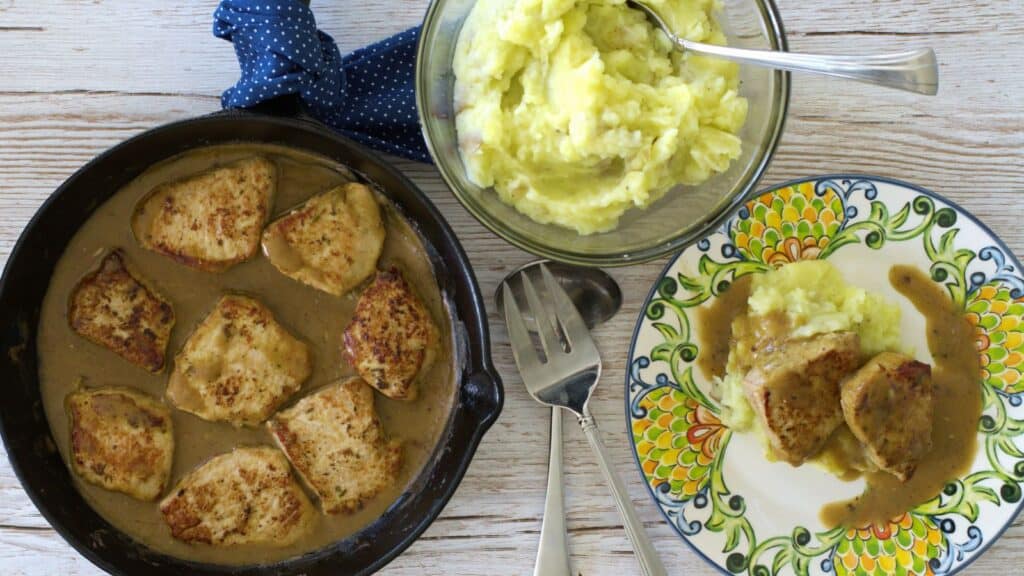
column 744, row 514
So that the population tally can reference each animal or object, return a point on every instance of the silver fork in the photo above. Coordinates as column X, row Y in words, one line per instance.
column 565, row 378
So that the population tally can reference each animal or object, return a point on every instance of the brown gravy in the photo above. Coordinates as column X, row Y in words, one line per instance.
column 957, row 409
column 319, row 318
column 714, row 324
column 955, row 378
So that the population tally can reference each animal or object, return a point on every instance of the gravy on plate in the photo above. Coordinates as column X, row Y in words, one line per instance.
column 957, row 398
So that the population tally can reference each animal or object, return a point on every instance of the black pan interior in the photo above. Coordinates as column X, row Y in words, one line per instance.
column 23, row 424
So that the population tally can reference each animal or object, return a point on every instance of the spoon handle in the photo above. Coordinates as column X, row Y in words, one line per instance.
column 650, row 563
column 553, row 552
column 914, row 71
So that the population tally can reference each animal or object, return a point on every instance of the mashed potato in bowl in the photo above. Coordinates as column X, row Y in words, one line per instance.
column 575, row 111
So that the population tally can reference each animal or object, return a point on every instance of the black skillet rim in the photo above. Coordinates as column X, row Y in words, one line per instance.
column 477, row 406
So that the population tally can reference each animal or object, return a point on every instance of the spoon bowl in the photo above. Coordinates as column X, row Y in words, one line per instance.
column 595, row 293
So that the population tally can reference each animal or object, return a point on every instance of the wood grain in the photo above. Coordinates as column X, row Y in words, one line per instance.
column 83, row 76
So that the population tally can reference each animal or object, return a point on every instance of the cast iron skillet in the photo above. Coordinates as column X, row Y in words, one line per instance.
column 23, row 424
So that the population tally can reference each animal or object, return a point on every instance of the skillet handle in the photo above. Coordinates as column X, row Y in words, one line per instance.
column 483, row 394
column 285, row 106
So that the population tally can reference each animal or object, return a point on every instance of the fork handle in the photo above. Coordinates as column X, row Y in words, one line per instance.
column 650, row 563
column 553, row 552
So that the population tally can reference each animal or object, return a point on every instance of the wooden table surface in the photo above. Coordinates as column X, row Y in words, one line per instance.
column 79, row 77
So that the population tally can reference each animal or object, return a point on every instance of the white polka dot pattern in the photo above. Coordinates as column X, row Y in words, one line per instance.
column 367, row 95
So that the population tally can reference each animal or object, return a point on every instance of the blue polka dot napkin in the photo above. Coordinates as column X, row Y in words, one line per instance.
column 367, row 95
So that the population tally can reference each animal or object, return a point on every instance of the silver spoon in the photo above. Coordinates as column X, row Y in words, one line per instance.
column 914, row 71
column 597, row 297
column 563, row 372
column 594, row 292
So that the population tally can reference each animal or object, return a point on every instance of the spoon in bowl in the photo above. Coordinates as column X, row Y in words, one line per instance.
column 914, row 71
column 597, row 298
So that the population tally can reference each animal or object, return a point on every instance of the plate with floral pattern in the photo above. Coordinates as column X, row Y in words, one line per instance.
column 747, row 515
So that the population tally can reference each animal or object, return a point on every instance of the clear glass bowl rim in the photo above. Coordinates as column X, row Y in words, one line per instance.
column 780, row 101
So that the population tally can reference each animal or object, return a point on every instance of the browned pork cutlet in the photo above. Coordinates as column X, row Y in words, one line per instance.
column 794, row 391
column 210, row 221
column 116, row 309
column 888, row 405
column 247, row 496
column 121, row 440
column 335, row 441
column 392, row 339
column 239, row 365
column 331, row 242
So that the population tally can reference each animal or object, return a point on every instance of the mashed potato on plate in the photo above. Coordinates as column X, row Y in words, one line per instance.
column 575, row 111
column 816, row 299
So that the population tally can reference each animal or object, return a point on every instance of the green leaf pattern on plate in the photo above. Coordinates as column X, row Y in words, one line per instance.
column 681, row 444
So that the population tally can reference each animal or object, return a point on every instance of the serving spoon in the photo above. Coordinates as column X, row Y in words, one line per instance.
column 564, row 376
column 913, row 71
column 597, row 297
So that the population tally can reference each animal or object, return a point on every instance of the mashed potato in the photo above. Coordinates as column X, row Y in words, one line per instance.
column 577, row 110
column 816, row 299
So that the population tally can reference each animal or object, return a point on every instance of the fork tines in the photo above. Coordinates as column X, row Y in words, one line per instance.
column 551, row 313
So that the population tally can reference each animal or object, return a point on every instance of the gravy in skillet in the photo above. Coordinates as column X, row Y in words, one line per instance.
column 67, row 361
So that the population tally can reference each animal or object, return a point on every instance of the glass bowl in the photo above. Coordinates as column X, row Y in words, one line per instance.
column 683, row 215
